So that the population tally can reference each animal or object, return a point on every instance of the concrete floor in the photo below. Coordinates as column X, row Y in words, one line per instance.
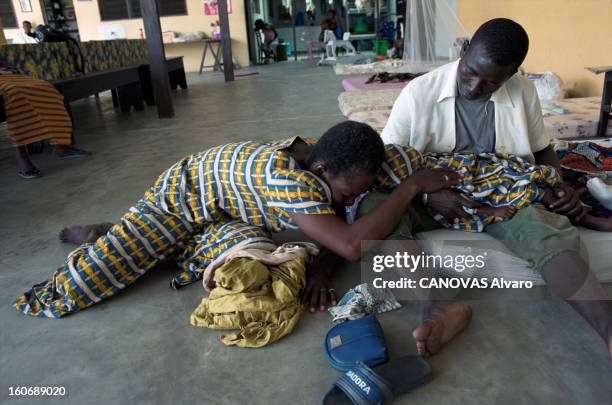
column 139, row 346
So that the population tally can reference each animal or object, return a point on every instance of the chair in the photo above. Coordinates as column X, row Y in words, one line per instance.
column 346, row 44
column 260, row 55
column 310, row 44
column 328, row 57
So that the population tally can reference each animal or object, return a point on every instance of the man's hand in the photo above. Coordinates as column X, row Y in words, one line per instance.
column 450, row 204
column 568, row 202
column 318, row 291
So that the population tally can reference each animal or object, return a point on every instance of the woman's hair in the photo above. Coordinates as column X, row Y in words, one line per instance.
column 349, row 149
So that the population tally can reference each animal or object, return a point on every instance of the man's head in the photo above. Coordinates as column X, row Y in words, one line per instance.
column 27, row 26
column 347, row 157
column 493, row 56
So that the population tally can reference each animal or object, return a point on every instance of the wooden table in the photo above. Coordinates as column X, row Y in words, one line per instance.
column 208, row 44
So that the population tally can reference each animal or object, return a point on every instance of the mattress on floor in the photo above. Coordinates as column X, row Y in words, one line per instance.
column 369, row 100
column 507, row 265
column 579, row 119
column 377, row 119
column 388, row 65
column 358, row 83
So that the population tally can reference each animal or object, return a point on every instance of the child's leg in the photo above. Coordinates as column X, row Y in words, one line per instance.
column 504, row 212
column 97, row 271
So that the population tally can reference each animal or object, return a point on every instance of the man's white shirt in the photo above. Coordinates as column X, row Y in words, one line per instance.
column 423, row 116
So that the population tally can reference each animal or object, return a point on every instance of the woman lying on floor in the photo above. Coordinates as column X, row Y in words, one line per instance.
column 238, row 194
column 35, row 112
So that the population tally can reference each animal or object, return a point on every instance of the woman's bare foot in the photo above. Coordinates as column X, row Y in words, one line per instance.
column 505, row 212
column 443, row 323
column 84, row 234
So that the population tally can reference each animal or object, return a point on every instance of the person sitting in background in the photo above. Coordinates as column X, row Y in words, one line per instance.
column 27, row 29
column 269, row 36
column 333, row 16
column 327, row 24
column 35, row 112
column 27, row 36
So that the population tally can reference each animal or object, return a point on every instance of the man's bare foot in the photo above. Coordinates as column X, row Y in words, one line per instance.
column 84, row 234
column 596, row 223
column 443, row 323
column 505, row 212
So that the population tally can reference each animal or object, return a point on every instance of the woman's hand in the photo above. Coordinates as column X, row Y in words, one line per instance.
column 319, row 291
column 432, row 180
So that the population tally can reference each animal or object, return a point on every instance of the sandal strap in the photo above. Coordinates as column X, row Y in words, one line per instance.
column 363, row 386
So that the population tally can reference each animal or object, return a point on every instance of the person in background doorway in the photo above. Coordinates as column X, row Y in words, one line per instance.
column 269, row 36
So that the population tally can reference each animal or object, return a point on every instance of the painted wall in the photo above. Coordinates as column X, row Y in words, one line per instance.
column 88, row 18
column 565, row 36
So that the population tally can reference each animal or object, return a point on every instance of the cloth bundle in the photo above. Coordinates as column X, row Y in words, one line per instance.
column 258, row 293
column 361, row 301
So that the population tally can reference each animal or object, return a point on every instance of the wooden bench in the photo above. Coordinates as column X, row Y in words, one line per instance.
column 176, row 74
column 124, row 82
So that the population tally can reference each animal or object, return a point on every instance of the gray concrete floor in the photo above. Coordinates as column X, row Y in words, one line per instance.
column 139, row 346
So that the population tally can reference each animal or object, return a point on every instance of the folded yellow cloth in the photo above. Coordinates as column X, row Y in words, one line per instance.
column 261, row 301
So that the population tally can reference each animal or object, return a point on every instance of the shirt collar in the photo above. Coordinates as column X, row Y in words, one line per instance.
column 449, row 89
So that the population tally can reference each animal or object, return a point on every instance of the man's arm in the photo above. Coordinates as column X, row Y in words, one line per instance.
column 547, row 156
column 399, row 125
column 568, row 199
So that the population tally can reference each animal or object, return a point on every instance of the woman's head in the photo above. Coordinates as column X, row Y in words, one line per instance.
column 347, row 157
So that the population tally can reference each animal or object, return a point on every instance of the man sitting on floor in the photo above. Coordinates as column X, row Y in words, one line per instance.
column 480, row 104
column 35, row 112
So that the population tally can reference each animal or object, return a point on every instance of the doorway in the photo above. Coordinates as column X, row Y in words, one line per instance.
column 60, row 15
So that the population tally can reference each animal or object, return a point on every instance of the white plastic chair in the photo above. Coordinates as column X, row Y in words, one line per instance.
column 346, row 44
column 310, row 44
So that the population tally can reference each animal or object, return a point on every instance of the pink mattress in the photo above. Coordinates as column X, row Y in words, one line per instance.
column 358, row 83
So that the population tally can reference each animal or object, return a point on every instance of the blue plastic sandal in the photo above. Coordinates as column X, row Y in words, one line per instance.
column 362, row 385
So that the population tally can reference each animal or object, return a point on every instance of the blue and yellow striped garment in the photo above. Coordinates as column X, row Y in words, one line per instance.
column 494, row 179
column 226, row 197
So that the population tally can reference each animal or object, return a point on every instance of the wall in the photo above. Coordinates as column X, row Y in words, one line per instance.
column 88, row 18
column 565, row 36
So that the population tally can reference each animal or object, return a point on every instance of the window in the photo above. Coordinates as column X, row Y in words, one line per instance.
column 7, row 14
column 126, row 9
